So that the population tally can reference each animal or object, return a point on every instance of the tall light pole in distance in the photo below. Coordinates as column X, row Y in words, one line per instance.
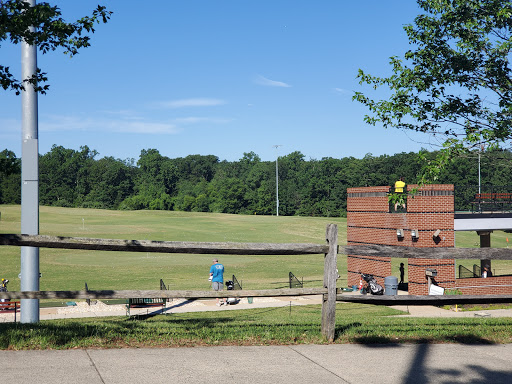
column 277, row 181
column 479, row 168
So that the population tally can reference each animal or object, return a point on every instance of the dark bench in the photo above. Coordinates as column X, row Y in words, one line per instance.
column 144, row 303
column 492, row 201
column 147, row 303
column 10, row 306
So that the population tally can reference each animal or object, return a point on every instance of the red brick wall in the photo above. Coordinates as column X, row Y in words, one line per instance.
column 370, row 222
column 363, row 205
column 496, row 285
column 418, row 283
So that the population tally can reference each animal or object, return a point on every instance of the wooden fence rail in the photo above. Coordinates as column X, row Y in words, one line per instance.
column 42, row 241
column 425, row 300
column 428, row 253
column 158, row 294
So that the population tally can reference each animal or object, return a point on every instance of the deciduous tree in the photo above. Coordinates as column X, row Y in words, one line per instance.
column 51, row 32
column 454, row 83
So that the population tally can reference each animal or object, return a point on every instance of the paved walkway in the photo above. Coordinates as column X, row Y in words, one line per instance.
column 357, row 364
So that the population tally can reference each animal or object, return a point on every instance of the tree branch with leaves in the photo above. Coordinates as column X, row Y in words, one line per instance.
column 455, row 83
column 50, row 32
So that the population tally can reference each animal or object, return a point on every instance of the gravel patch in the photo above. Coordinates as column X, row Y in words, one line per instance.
column 83, row 307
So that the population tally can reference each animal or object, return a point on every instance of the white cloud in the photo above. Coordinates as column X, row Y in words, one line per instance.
column 184, row 103
column 196, row 120
column 143, row 127
column 123, row 121
column 10, row 126
column 10, row 135
column 343, row 91
column 103, row 124
column 123, row 113
column 261, row 80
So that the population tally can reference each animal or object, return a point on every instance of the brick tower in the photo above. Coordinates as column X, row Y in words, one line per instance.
column 371, row 220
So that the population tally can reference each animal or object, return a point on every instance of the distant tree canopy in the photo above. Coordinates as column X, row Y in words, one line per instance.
column 10, row 177
column 76, row 178
column 454, row 83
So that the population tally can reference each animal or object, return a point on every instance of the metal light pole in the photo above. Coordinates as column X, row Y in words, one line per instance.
column 29, row 181
column 479, row 179
column 277, row 181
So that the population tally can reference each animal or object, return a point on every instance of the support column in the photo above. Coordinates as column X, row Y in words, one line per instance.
column 485, row 242
column 330, row 277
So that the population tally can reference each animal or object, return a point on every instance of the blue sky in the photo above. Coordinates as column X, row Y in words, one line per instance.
column 218, row 77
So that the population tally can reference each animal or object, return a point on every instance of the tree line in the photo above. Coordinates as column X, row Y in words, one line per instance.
column 203, row 183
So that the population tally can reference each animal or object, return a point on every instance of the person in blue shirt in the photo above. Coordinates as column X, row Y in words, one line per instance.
column 217, row 279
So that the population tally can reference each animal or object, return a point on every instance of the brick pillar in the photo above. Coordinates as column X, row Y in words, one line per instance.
column 367, row 209
column 485, row 242
column 369, row 221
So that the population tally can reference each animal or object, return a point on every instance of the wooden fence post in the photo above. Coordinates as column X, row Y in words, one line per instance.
column 330, row 276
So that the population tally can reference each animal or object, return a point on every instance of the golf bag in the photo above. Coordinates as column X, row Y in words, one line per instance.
column 230, row 286
column 372, row 286
column 3, row 288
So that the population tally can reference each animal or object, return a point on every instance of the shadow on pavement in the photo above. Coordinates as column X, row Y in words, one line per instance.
column 420, row 373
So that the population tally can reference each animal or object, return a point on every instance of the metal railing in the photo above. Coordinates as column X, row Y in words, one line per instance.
column 294, row 282
column 163, row 287
column 483, row 199
column 465, row 273
column 237, row 286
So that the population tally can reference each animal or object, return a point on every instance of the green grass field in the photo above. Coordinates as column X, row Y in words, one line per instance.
column 71, row 269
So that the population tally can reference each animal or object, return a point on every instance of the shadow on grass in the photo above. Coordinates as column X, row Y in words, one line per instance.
column 166, row 330
column 374, row 340
column 280, row 285
column 339, row 331
column 459, row 339
column 421, row 331
column 105, row 333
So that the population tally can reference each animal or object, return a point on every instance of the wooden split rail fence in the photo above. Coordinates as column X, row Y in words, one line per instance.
column 329, row 291
column 329, row 250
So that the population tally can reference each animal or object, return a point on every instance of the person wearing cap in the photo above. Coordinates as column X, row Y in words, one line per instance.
column 217, row 279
